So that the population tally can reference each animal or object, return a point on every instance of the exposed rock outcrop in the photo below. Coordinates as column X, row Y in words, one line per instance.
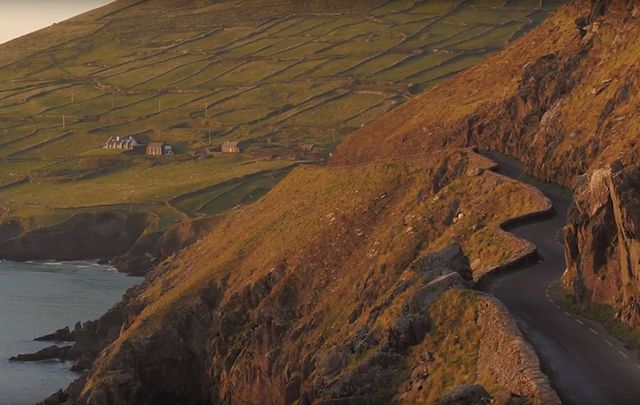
column 153, row 247
column 11, row 228
column 129, row 241
column 602, row 244
column 370, row 381
column 467, row 394
column 61, row 335
column 83, row 236
column 48, row 353
column 567, row 108
column 89, row 338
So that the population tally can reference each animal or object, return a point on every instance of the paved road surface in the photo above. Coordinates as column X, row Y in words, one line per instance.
column 585, row 363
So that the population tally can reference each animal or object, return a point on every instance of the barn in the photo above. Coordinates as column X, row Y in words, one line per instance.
column 159, row 149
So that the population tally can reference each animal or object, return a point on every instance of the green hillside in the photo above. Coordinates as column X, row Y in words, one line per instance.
column 274, row 74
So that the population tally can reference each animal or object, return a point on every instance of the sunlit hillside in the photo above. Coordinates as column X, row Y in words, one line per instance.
column 285, row 75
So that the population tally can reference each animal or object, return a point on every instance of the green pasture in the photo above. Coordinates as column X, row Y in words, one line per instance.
column 194, row 80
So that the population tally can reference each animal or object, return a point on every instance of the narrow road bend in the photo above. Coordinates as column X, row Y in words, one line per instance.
column 586, row 365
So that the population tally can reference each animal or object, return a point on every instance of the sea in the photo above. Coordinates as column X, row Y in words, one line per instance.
column 37, row 298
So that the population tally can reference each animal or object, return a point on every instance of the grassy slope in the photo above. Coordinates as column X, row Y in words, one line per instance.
column 422, row 122
column 345, row 235
column 591, row 125
column 587, row 124
column 203, row 73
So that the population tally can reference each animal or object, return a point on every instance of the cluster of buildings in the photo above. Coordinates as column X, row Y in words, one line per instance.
column 130, row 143
column 163, row 149
column 121, row 142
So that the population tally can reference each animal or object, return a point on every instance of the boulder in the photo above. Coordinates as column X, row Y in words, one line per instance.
column 408, row 331
column 467, row 394
column 448, row 260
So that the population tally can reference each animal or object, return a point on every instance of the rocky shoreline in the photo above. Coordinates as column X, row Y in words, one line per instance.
column 514, row 364
column 128, row 241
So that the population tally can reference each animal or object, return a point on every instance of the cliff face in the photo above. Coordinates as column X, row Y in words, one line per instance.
column 564, row 103
column 351, row 312
column 342, row 285
column 566, row 106
column 601, row 241
column 153, row 247
column 130, row 241
column 83, row 236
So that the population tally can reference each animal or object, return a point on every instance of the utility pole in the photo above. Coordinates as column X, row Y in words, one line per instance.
column 64, row 125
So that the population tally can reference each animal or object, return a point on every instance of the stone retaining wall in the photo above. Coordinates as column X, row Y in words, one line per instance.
column 506, row 355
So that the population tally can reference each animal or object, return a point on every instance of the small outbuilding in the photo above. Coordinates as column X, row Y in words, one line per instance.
column 121, row 142
column 159, row 149
column 231, row 147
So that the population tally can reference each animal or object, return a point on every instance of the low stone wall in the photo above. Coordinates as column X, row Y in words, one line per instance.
column 505, row 355
column 530, row 253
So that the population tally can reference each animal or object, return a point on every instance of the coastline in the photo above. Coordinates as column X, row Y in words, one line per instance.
column 37, row 298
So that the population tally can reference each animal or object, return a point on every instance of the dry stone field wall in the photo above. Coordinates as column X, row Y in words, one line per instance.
column 198, row 75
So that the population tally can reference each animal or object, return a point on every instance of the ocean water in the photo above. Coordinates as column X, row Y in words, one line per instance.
column 38, row 298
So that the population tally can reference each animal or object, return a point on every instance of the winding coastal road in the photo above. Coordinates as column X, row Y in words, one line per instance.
column 585, row 363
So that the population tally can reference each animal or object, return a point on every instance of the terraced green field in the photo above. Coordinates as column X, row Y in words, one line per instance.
column 273, row 73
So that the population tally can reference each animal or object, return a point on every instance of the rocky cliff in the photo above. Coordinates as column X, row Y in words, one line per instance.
column 262, row 308
column 601, row 241
column 153, row 247
column 129, row 241
column 344, row 284
column 83, row 236
column 566, row 106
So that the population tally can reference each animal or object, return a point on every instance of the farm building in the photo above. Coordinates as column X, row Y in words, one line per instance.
column 231, row 147
column 121, row 142
column 159, row 149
